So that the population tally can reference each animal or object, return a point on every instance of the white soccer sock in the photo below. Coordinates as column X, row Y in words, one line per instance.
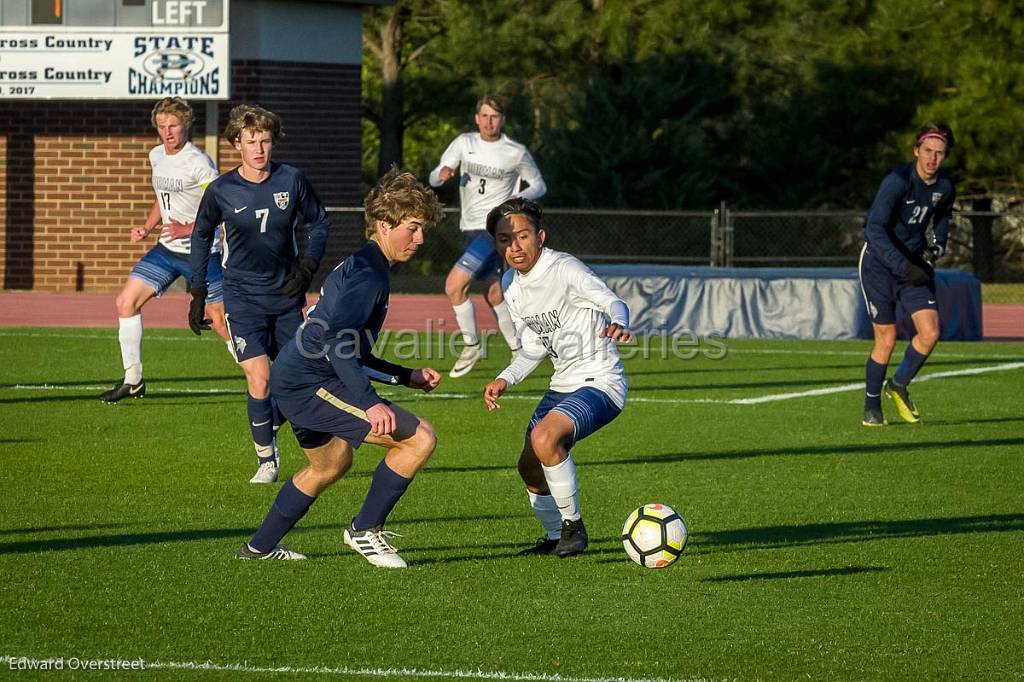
column 508, row 330
column 129, row 334
column 465, row 316
column 547, row 513
column 561, row 480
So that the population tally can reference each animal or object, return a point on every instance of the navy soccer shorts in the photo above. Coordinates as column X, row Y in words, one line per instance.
column 588, row 409
column 255, row 333
column 883, row 291
column 480, row 259
column 160, row 267
column 327, row 411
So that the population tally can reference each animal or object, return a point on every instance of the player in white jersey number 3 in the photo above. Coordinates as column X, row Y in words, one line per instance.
column 565, row 312
column 181, row 172
column 491, row 166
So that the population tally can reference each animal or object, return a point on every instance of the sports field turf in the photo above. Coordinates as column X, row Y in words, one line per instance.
column 819, row 548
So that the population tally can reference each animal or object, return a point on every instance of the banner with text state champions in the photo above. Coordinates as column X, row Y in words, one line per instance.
column 106, row 65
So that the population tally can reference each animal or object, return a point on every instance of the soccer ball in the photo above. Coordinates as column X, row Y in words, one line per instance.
column 654, row 535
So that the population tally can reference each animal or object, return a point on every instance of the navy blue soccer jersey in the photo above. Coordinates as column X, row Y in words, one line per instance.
column 896, row 225
column 261, row 222
column 339, row 333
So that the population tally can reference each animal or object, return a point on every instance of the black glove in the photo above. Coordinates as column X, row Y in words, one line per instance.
column 916, row 275
column 933, row 253
column 196, row 322
column 299, row 277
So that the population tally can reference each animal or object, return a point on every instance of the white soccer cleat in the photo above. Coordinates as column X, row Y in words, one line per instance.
column 467, row 359
column 374, row 546
column 267, row 473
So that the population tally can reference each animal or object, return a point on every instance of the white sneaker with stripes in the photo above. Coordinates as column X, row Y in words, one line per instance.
column 373, row 544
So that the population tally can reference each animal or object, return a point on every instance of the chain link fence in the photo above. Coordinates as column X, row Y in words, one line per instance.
column 722, row 237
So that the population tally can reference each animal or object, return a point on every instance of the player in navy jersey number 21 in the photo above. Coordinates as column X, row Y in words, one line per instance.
column 262, row 206
column 321, row 381
column 896, row 267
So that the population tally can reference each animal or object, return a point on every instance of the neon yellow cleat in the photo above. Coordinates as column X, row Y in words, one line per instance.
column 904, row 405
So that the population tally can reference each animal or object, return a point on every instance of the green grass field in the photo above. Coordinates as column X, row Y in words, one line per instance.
column 819, row 548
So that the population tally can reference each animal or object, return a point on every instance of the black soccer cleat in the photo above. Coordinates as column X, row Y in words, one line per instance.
column 873, row 417
column 904, row 405
column 278, row 553
column 574, row 539
column 122, row 390
column 542, row 546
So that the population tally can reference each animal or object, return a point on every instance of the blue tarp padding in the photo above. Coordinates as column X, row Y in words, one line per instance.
column 790, row 303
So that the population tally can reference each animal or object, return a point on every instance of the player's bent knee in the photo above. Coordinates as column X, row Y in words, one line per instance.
column 425, row 439
column 125, row 304
column 547, row 443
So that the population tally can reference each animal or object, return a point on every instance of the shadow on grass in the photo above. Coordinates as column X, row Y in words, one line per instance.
column 609, row 549
column 108, row 381
column 122, row 540
column 958, row 422
column 851, row 449
column 58, row 529
column 767, row 537
column 786, row 575
column 168, row 395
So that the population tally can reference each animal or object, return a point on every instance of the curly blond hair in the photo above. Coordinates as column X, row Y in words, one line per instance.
column 255, row 119
column 399, row 195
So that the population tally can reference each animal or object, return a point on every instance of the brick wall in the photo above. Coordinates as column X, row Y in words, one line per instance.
column 76, row 178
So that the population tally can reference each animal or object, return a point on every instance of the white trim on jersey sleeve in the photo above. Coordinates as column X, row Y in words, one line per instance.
column 529, row 172
column 452, row 157
column 587, row 290
column 205, row 171
column 531, row 353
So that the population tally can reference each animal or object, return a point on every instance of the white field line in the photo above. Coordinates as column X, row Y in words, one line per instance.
column 1005, row 367
column 112, row 336
column 74, row 663
column 771, row 397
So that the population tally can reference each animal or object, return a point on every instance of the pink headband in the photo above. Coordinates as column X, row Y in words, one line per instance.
column 936, row 135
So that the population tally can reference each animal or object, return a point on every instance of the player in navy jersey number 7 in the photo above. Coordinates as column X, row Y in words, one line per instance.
column 321, row 381
column 896, row 267
column 262, row 206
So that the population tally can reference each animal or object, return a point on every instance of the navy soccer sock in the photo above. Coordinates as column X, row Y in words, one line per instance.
column 261, row 421
column 290, row 506
column 874, row 375
column 911, row 365
column 385, row 490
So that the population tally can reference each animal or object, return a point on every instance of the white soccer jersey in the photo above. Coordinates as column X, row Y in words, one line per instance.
column 489, row 173
column 560, row 308
column 179, row 181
